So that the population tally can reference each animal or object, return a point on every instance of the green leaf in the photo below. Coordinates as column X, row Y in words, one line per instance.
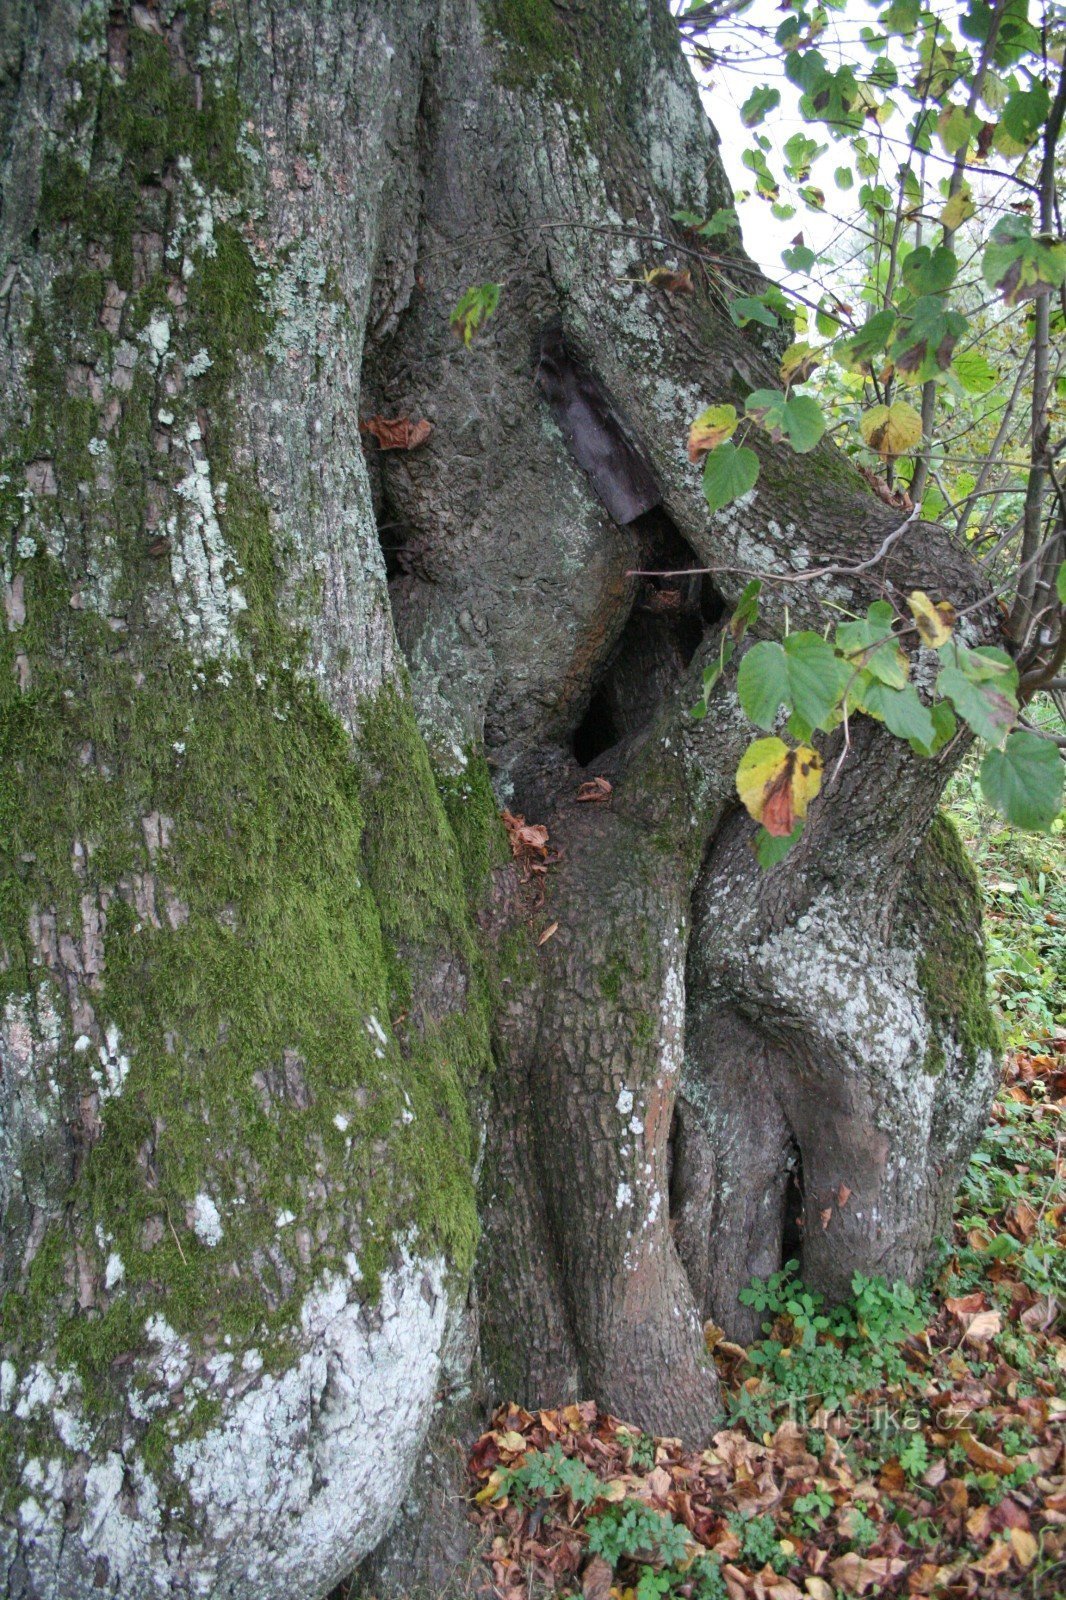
column 870, row 643
column 747, row 609
column 751, row 308
column 799, row 419
column 1018, row 265
column 858, row 352
column 987, row 705
column 944, row 725
column 798, row 258
column 769, row 851
column 928, row 271
column 1023, row 781
column 926, row 337
column 901, row 711
column 974, row 371
column 804, row 675
column 762, row 682
column 1060, row 584
column 758, row 103
column 1026, row 112
column 728, row 473
column 474, row 309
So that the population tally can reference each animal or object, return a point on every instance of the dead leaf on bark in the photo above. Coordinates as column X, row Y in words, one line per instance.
column 595, row 791
column 552, row 928
column 397, row 433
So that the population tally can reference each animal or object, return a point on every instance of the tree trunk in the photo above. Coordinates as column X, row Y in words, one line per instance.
column 279, row 1028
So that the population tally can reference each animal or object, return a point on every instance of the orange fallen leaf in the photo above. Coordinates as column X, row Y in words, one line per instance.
column 826, row 1215
column 843, row 1195
column 596, row 789
column 397, row 433
column 552, row 927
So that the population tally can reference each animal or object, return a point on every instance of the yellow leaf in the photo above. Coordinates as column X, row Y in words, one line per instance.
column 1024, row 1546
column 798, row 362
column 777, row 784
column 711, row 428
column 512, row 1441
column 891, row 430
column 958, row 209
column 818, row 1589
column 491, row 1489
column 935, row 622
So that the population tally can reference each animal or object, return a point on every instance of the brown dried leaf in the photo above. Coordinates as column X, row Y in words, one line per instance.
column 595, row 790
column 596, row 1580
column 551, row 929
column 397, row 433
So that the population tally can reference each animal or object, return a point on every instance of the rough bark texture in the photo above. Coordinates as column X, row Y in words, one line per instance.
column 272, row 1005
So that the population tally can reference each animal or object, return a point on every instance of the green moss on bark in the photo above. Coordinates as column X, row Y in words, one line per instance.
column 268, row 895
column 951, row 966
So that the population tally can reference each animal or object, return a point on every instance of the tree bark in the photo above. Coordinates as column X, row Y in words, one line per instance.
column 279, row 1028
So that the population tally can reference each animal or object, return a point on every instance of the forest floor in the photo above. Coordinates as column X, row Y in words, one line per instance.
column 908, row 1443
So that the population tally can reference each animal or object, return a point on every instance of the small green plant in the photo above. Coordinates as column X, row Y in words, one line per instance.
column 634, row 1532
column 914, row 1457
column 810, row 1510
column 859, row 1529
column 759, row 1544
column 642, row 1446
column 545, row 1474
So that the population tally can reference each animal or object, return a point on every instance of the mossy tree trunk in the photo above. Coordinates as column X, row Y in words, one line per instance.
column 275, row 1001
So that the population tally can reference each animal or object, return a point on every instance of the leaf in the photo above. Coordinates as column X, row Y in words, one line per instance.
column 798, row 362
column 673, row 279
column 595, row 791
column 926, row 338
column 712, row 427
column 596, row 1580
column 974, row 371
column 747, row 610
column 870, row 643
column 777, row 784
column 928, row 271
column 1023, row 781
column 474, row 309
column 891, row 430
column 959, row 209
column 1060, row 584
column 397, row 433
column 798, row 258
column 989, row 709
column 758, row 103
column 804, row 675
column 858, row 352
column 955, row 126
column 728, row 473
column 1019, row 266
column 769, row 849
column 935, row 622
column 549, row 932
column 747, row 308
column 1026, row 112
column 799, row 419
column 901, row 711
